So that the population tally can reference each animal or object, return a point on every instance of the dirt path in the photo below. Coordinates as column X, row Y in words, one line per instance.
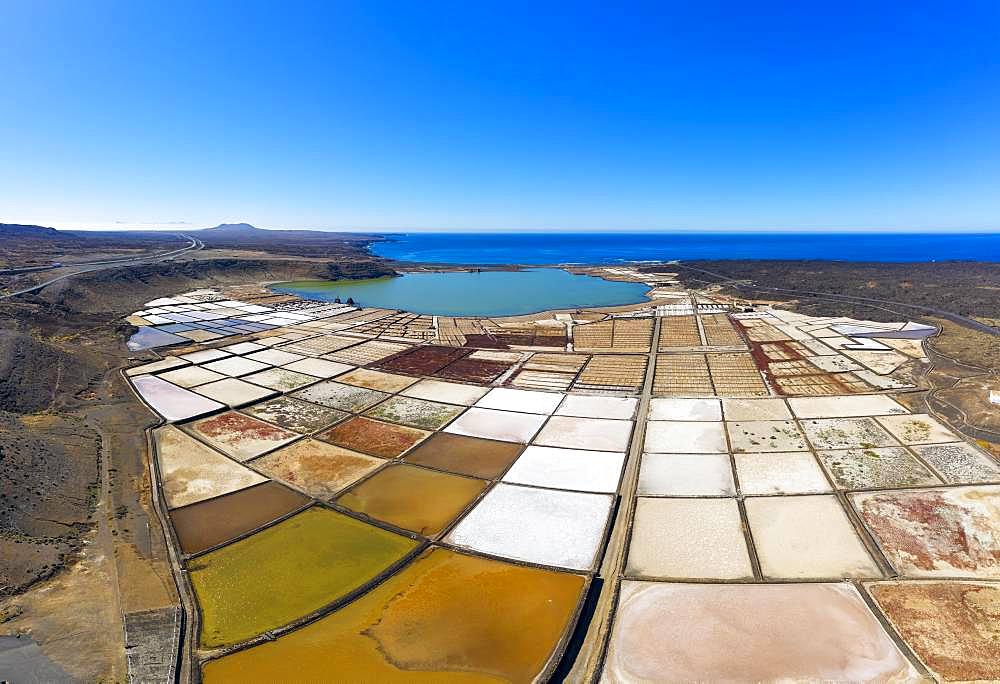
column 75, row 617
column 105, row 541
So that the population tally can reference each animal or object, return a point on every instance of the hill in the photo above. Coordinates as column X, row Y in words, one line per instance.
column 29, row 246
column 231, row 229
column 313, row 243
column 251, row 232
column 25, row 231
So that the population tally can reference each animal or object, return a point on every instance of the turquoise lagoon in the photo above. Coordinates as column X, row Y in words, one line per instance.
column 463, row 293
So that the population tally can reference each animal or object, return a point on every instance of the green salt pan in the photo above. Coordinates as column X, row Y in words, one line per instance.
column 287, row 571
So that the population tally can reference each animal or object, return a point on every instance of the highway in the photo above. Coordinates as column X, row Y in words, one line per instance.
column 91, row 266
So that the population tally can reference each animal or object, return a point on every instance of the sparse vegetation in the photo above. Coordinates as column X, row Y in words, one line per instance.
column 965, row 288
column 966, row 346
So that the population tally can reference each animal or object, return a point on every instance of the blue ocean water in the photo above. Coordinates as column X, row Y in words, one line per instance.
column 609, row 248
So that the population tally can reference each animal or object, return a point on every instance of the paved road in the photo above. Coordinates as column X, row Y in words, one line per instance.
column 949, row 315
column 21, row 660
column 92, row 266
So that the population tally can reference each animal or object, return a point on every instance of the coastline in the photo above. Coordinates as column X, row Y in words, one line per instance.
column 967, row 288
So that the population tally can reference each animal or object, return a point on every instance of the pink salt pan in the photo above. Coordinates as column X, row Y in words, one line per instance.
column 749, row 633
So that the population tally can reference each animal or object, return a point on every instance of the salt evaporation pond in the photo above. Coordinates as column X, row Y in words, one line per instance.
column 490, row 293
column 447, row 617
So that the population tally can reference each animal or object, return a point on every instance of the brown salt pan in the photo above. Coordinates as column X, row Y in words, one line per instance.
column 467, row 455
column 240, row 436
column 482, row 341
column 376, row 380
column 474, row 370
column 953, row 627
column 374, row 437
column 416, row 499
column 422, row 360
column 208, row 523
column 953, row 532
column 316, row 468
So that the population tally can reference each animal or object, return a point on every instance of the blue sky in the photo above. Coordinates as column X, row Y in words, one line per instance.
column 501, row 116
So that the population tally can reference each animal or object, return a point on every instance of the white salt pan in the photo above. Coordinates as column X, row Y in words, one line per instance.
column 525, row 401
column 589, row 471
column 544, row 526
column 173, row 402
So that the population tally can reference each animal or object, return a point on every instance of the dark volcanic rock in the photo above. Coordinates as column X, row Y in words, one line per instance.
column 123, row 290
column 48, row 472
column 34, row 374
column 968, row 288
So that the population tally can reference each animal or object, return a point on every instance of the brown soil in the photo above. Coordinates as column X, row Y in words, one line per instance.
column 74, row 618
column 77, row 425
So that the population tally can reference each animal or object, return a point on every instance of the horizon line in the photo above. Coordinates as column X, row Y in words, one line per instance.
column 177, row 227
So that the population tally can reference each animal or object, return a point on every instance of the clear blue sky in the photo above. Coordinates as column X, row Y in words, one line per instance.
column 498, row 116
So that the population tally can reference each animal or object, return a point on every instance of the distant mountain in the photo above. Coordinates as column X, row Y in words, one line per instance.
column 248, row 234
column 233, row 229
column 41, row 232
column 21, row 230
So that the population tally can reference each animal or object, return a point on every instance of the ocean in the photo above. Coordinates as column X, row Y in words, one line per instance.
column 611, row 248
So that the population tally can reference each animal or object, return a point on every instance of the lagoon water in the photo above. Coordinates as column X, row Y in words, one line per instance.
column 609, row 248
column 496, row 293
